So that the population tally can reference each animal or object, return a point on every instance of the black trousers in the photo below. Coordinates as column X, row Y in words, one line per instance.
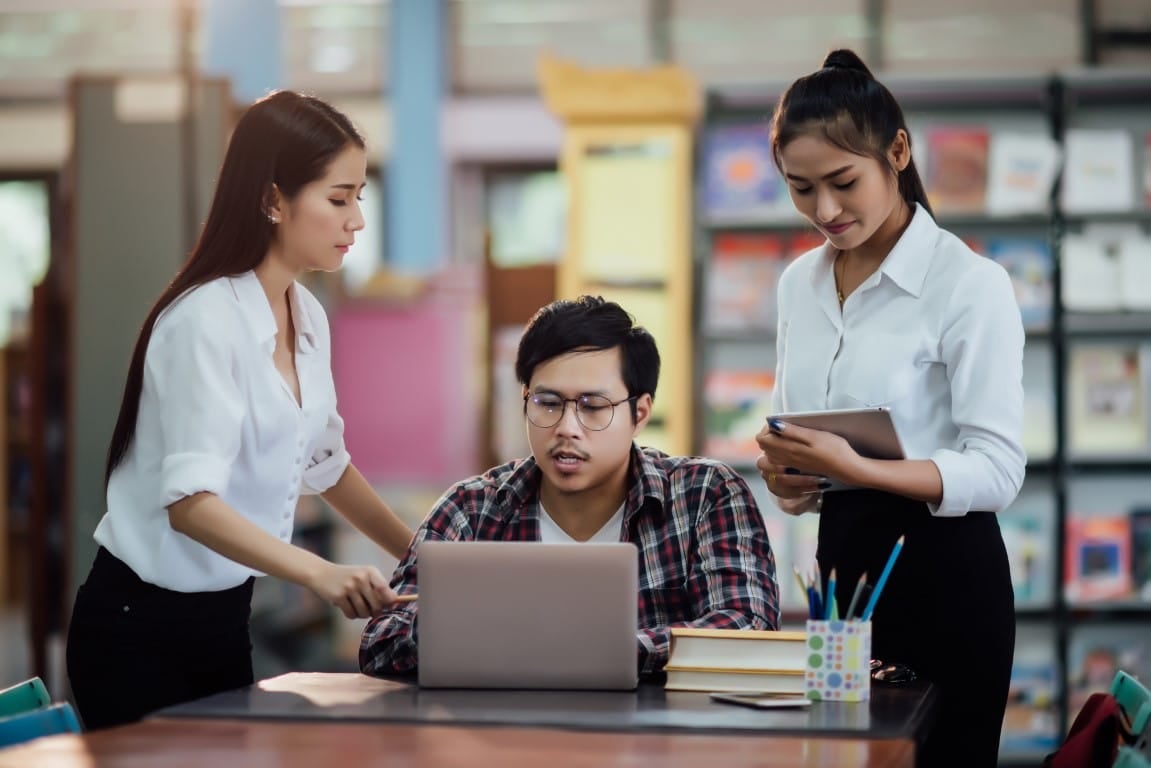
column 948, row 609
column 134, row 648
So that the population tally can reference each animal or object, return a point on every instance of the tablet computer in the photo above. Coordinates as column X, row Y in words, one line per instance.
column 870, row 431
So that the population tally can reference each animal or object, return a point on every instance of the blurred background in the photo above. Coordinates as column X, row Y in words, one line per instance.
column 522, row 150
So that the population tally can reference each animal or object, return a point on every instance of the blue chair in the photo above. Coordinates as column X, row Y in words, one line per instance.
column 1135, row 701
column 24, row 697
column 1129, row 758
column 46, row 721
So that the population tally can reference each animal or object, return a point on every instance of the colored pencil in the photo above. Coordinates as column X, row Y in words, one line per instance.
column 882, row 579
column 855, row 596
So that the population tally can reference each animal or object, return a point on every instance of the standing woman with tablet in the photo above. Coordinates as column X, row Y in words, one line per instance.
column 894, row 311
column 228, row 415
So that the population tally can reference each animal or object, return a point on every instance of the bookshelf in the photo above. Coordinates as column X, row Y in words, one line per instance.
column 977, row 131
column 1103, row 620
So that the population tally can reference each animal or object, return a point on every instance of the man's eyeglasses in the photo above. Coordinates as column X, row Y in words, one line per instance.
column 594, row 412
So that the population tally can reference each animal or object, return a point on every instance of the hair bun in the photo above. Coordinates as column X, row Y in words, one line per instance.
column 844, row 58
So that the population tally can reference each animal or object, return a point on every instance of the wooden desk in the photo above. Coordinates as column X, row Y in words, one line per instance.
column 168, row 743
column 892, row 713
column 310, row 720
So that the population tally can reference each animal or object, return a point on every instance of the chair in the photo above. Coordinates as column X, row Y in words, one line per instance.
column 1135, row 701
column 46, row 721
column 24, row 697
column 1129, row 758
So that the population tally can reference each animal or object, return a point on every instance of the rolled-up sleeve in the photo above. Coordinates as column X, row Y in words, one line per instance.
column 982, row 346
column 189, row 374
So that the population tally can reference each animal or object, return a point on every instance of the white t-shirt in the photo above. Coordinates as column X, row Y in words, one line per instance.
column 215, row 415
column 551, row 533
column 936, row 335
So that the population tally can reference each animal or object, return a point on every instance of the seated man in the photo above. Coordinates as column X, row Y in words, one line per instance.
column 705, row 557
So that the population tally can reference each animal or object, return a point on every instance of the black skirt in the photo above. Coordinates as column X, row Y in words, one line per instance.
column 948, row 609
column 134, row 648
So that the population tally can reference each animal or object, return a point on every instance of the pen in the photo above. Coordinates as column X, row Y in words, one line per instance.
column 830, row 596
column 407, row 598
column 855, row 596
column 882, row 579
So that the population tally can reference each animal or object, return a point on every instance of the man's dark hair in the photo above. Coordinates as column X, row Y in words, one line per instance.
column 586, row 324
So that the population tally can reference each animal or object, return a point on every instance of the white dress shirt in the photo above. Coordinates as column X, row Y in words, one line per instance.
column 216, row 416
column 934, row 334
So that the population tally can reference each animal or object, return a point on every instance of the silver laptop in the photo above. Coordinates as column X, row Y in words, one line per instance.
column 503, row 614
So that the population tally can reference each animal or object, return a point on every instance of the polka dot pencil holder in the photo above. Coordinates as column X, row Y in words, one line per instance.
column 838, row 665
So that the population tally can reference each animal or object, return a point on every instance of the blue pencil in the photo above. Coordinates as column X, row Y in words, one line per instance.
column 882, row 579
column 830, row 596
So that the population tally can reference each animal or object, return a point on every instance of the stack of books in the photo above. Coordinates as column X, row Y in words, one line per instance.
column 736, row 660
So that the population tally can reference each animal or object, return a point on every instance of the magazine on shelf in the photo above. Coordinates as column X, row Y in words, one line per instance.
column 1096, row 652
column 1107, row 399
column 735, row 405
column 1140, row 521
column 1098, row 172
column 1097, row 564
column 1031, row 722
column 1021, row 173
column 740, row 290
column 956, row 180
column 1090, row 274
column 740, row 180
column 1029, row 262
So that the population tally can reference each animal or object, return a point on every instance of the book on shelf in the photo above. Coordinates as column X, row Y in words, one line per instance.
column 1106, row 269
column 1030, row 723
column 740, row 180
column 956, row 179
column 1021, row 172
column 737, row 649
column 740, row 290
column 1090, row 274
column 1097, row 558
column 1098, row 171
column 1140, row 524
column 1028, row 554
column 735, row 405
column 1107, row 393
column 1096, row 652
column 1029, row 262
column 733, row 680
column 1134, row 264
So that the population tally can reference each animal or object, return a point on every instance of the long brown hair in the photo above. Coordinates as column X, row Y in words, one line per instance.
column 851, row 109
column 285, row 140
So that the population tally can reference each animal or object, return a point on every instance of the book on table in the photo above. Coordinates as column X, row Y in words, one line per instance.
column 736, row 660
column 748, row 649
column 734, row 680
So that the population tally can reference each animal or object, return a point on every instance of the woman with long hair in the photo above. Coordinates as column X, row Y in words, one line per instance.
column 228, row 416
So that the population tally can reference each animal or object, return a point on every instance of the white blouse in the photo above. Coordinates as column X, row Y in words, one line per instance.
column 936, row 335
column 216, row 416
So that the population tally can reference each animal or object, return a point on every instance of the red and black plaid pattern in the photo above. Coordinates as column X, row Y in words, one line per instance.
column 704, row 560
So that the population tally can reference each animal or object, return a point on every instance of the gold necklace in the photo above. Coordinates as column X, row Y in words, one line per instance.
column 837, row 273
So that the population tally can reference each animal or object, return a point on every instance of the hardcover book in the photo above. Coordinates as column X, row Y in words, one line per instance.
column 737, row 649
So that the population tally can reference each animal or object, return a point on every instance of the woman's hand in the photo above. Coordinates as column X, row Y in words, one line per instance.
column 360, row 591
column 797, row 462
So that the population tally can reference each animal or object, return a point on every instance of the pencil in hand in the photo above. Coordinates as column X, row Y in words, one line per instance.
column 406, row 599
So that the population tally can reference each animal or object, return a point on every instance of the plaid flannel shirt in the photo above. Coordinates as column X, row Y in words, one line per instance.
column 704, row 555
